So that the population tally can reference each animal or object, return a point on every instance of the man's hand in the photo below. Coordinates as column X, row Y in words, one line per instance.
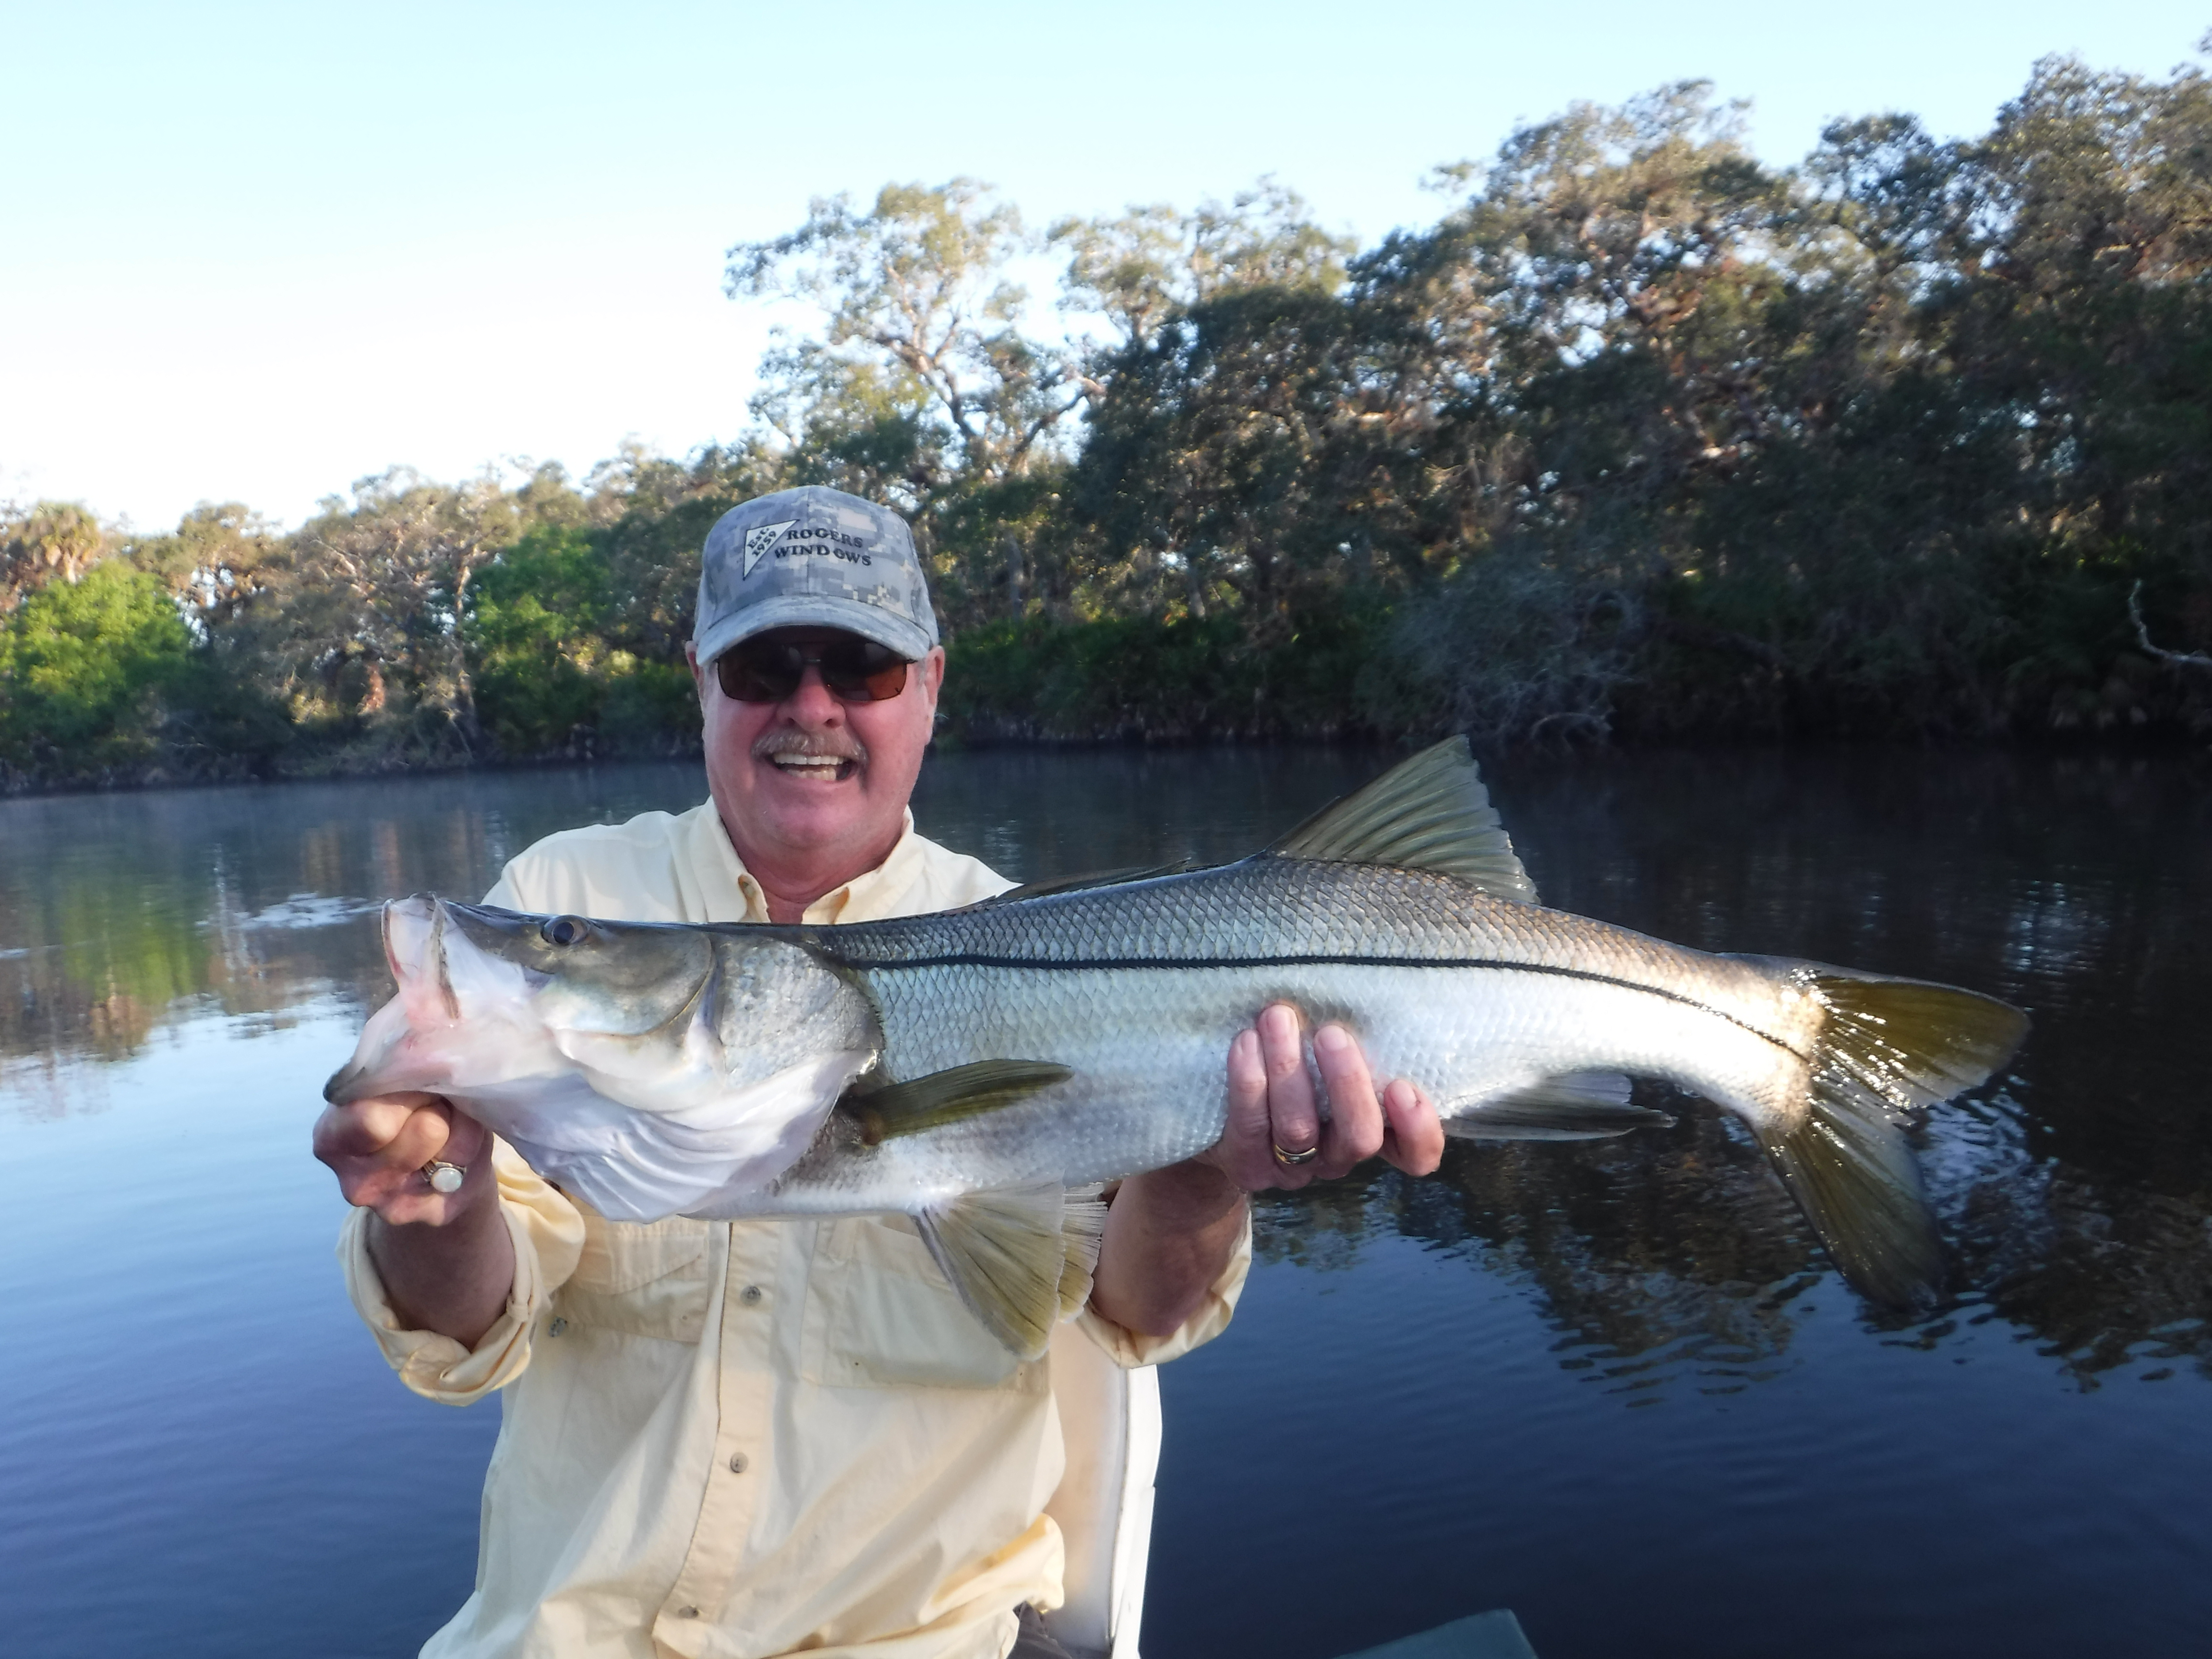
column 379, row 1147
column 1272, row 1104
column 1170, row 1232
column 446, row 1258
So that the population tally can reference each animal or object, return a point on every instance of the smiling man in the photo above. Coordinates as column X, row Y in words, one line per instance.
column 754, row 1438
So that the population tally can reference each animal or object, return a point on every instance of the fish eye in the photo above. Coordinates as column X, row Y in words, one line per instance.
column 564, row 930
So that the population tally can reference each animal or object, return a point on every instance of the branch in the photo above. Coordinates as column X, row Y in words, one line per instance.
column 2193, row 659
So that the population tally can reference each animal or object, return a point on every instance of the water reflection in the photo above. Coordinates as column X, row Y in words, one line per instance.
column 2077, row 1192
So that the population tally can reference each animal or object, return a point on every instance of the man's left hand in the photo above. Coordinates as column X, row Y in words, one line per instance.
column 1273, row 1105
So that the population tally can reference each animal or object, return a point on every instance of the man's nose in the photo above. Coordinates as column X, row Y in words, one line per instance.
column 811, row 703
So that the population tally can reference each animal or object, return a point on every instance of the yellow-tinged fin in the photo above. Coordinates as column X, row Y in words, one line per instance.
column 1019, row 1257
column 1083, row 1229
column 1887, row 1047
column 1430, row 812
column 1578, row 1106
column 925, row 1103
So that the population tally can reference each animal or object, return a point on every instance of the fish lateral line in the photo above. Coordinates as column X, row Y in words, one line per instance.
column 1150, row 965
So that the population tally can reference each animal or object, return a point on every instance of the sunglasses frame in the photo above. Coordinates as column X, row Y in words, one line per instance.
column 739, row 673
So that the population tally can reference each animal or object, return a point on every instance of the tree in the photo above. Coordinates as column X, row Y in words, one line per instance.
column 54, row 540
column 85, row 670
column 370, row 624
column 924, row 386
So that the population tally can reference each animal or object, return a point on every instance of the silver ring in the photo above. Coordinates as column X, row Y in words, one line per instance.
column 445, row 1177
column 1291, row 1160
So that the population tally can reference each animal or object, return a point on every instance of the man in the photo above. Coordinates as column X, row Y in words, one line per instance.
column 759, row 1437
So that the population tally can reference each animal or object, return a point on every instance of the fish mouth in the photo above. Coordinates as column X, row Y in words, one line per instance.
column 415, row 951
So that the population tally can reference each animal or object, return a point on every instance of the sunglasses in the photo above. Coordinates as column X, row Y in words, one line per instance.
column 853, row 670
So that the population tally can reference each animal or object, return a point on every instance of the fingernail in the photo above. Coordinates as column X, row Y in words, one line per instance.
column 1333, row 1038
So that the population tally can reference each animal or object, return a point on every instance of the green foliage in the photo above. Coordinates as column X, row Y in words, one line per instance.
column 89, row 669
column 1640, row 438
column 534, row 631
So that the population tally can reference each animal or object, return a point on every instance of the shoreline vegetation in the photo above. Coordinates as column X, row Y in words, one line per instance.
column 1642, row 441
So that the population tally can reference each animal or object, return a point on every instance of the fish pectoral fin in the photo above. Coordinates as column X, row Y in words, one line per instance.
column 1016, row 1256
column 1430, row 812
column 1577, row 1106
column 924, row 1103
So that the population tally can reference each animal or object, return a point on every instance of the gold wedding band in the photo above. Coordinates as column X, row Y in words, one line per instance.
column 1291, row 1160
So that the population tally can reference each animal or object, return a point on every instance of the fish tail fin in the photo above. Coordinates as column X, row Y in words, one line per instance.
column 1886, row 1047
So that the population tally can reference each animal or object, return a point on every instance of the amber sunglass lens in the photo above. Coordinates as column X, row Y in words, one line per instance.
column 862, row 670
column 760, row 674
column 854, row 671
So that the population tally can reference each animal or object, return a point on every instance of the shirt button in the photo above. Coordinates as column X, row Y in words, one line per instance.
column 687, row 1612
column 750, row 1293
column 737, row 1463
column 557, row 1328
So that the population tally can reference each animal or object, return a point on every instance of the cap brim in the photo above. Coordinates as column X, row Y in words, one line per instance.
column 817, row 610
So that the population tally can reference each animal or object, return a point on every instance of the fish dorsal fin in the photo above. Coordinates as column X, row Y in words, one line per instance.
column 1029, row 890
column 1430, row 812
column 1016, row 1256
column 925, row 1103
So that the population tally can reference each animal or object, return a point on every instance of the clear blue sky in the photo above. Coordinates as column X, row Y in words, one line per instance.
column 254, row 251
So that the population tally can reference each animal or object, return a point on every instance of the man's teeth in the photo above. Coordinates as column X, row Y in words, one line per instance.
column 812, row 766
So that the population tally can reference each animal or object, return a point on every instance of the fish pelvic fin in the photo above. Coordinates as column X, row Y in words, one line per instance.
column 1578, row 1106
column 1020, row 1258
column 947, row 1096
column 1887, row 1048
column 1430, row 812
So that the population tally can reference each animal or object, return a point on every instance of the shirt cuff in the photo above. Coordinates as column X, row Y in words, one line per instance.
column 438, row 1367
column 1129, row 1349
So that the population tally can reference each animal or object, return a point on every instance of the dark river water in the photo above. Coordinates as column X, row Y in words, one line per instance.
column 1614, row 1387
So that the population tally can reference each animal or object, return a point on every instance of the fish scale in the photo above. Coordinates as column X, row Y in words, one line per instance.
column 971, row 1069
column 1141, row 989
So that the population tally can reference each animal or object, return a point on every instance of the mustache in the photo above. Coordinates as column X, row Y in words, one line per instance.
column 826, row 746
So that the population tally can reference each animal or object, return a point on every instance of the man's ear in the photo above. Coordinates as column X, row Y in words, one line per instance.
column 698, row 675
column 932, row 677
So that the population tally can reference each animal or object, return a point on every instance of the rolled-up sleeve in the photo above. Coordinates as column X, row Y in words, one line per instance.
column 1129, row 1348
column 548, row 1236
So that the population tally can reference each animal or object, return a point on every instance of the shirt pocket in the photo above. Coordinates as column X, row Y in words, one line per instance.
column 880, row 1315
column 642, row 1279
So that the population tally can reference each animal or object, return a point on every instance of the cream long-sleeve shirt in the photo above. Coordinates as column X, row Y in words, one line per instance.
column 732, row 1439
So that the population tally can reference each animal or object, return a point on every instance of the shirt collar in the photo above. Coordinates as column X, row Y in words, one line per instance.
column 732, row 893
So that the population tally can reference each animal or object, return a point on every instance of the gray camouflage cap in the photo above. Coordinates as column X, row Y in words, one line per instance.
column 812, row 557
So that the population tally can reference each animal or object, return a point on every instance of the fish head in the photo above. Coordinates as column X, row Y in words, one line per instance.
column 488, row 996
column 597, row 978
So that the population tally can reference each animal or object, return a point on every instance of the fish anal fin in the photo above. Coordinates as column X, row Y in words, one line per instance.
column 1430, row 812
column 1015, row 1256
column 925, row 1103
column 1083, row 1229
column 1577, row 1106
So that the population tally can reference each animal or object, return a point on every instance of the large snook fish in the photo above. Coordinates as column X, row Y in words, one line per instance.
column 971, row 1069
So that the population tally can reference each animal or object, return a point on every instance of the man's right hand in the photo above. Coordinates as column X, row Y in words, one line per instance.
column 446, row 1258
column 379, row 1147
